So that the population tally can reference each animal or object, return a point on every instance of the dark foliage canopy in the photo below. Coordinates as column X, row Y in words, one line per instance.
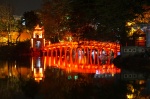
column 107, row 18
column 31, row 19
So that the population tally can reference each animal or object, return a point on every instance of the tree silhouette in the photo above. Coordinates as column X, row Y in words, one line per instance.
column 106, row 17
column 31, row 20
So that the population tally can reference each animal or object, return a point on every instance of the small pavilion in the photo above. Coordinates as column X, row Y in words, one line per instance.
column 38, row 40
column 139, row 38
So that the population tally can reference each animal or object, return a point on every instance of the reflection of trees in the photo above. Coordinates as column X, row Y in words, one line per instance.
column 137, row 89
column 9, row 87
column 56, row 85
column 59, row 84
column 29, row 87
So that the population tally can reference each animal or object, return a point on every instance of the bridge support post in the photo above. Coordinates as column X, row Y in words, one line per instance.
column 60, row 57
column 65, row 56
column 87, row 53
column 51, row 52
column 84, row 55
column 90, row 56
column 98, row 56
column 52, row 61
column 94, row 57
column 70, row 55
column 56, row 55
column 76, row 55
column 48, row 52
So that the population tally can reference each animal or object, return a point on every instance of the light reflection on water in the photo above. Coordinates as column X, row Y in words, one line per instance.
column 80, row 65
column 72, row 76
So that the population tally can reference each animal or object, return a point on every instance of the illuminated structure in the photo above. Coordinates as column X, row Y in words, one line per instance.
column 79, row 57
column 37, row 44
column 38, row 40
column 140, row 38
column 39, row 65
column 81, row 66
column 90, row 49
column 139, row 34
column 37, row 68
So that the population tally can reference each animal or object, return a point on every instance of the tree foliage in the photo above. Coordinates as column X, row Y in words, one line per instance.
column 107, row 18
column 6, row 17
column 31, row 19
column 55, row 16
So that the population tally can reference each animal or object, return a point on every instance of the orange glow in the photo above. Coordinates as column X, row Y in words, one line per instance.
column 44, row 42
column 38, row 74
column 32, row 43
column 86, row 44
column 38, row 31
column 84, row 67
column 32, row 64
column 74, row 57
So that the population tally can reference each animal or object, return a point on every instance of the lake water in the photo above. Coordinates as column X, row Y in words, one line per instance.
column 69, row 78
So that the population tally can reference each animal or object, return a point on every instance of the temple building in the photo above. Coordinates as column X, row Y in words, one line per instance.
column 139, row 38
column 38, row 40
column 139, row 35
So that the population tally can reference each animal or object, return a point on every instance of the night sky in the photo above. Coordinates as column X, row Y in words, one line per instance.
column 21, row 6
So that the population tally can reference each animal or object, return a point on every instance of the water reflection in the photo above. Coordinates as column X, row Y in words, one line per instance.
column 11, row 68
column 79, row 65
column 38, row 68
column 60, row 78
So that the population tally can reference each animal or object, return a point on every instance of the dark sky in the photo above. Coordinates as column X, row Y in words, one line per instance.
column 21, row 6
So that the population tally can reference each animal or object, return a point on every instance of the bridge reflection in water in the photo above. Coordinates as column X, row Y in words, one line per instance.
column 81, row 57
column 70, row 64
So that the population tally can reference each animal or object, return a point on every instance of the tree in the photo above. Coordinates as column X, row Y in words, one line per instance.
column 88, row 33
column 20, row 28
column 55, row 16
column 6, row 19
column 107, row 18
column 31, row 20
column 143, row 18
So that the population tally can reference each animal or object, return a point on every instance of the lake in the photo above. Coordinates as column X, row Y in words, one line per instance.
column 69, row 78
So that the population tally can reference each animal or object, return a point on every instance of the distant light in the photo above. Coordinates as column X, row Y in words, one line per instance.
column 75, row 77
column 118, row 53
column 69, row 77
column 24, row 23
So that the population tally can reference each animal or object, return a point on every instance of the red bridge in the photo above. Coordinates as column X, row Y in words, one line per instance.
column 91, row 49
column 83, row 56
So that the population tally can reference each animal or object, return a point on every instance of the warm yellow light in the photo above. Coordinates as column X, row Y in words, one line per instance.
column 130, row 23
column 112, row 74
column 132, row 90
column 141, row 82
column 32, row 43
column 32, row 64
column 129, row 96
column 141, row 38
column 40, row 70
column 44, row 42
column 38, row 32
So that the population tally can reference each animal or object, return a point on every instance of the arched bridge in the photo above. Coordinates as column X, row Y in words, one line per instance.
column 83, row 46
column 92, row 50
